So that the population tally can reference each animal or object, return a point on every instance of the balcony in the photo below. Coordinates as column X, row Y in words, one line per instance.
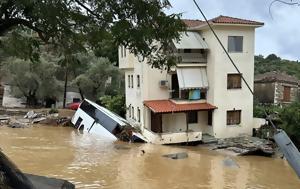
column 191, row 58
column 172, row 137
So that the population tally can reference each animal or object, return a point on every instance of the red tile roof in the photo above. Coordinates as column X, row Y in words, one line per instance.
column 192, row 23
column 167, row 106
column 274, row 76
column 231, row 20
column 221, row 20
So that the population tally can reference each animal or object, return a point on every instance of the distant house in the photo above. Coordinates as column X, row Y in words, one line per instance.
column 276, row 88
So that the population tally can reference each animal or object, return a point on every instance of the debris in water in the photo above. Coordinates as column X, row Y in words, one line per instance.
column 229, row 162
column 247, row 146
column 181, row 155
column 121, row 147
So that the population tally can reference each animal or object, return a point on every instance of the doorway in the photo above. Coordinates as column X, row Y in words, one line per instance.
column 156, row 122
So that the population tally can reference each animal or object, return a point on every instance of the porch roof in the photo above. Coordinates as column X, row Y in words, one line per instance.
column 167, row 106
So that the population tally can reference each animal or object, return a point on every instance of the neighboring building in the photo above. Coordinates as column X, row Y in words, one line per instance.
column 276, row 88
column 203, row 94
column 10, row 101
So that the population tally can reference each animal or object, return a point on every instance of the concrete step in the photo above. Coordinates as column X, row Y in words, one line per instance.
column 208, row 139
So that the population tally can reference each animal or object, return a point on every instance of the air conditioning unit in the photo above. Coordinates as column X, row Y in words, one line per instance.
column 163, row 83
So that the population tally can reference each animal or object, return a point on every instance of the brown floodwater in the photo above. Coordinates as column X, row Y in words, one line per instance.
column 89, row 162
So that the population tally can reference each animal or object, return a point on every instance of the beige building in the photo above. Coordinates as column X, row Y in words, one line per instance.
column 203, row 94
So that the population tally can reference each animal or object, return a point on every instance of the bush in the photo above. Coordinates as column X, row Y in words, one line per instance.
column 53, row 111
column 290, row 118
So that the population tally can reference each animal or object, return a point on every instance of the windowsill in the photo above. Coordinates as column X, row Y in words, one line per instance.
column 234, row 88
column 235, row 125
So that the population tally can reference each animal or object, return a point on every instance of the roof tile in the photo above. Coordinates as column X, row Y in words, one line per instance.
column 167, row 106
column 221, row 20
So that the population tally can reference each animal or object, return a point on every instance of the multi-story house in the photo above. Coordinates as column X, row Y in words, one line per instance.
column 203, row 94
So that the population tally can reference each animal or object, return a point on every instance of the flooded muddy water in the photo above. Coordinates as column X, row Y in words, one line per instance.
column 89, row 162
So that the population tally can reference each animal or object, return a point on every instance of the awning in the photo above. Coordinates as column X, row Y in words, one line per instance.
column 190, row 40
column 167, row 106
column 192, row 78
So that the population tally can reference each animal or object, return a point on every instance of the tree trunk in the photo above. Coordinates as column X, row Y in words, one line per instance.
column 66, row 85
column 81, row 93
column 31, row 100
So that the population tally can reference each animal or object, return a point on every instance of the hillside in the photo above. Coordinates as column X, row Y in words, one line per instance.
column 275, row 63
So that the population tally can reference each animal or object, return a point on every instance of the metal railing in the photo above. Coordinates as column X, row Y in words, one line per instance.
column 191, row 58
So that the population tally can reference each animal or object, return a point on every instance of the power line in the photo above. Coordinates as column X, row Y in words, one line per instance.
column 232, row 62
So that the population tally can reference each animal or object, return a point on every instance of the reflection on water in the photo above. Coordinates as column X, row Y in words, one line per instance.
column 90, row 162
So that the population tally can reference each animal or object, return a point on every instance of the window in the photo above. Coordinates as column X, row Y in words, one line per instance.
column 209, row 118
column 234, row 81
column 138, row 81
column 131, row 81
column 122, row 51
column 193, row 117
column 286, row 93
column 139, row 114
column 128, row 81
column 129, row 110
column 132, row 112
column 234, row 117
column 235, row 43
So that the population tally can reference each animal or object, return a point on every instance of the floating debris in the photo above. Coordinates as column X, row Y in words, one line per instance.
column 181, row 155
column 229, row 162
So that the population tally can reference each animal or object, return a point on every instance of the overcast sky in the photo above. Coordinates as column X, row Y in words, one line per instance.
column 280, row 35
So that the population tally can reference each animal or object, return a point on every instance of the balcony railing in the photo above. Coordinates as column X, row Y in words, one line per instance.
column 188, row 58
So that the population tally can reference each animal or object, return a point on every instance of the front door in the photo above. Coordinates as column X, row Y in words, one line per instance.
column 156, row 122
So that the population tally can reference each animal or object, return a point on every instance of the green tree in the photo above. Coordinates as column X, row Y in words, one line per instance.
column 141, row 26
column 275, row 63
column 114, row 103
column 100, row 78
column 33, row 80
column 290, row 121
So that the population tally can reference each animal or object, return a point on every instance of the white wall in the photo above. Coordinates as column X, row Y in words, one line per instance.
column 218, row 67
column 10, row 101
column 175, row 122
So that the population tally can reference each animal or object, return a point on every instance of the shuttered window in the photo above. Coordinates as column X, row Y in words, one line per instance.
column 234, row 81
column 287, row 94
column 128, row 81
column 138, row 81
column 139, row 114
column 131, row 81
column 234, row 117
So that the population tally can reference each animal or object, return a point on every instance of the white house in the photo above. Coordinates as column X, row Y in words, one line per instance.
column 203, row 94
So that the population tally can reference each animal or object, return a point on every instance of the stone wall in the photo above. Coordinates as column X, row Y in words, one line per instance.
column 279, row 88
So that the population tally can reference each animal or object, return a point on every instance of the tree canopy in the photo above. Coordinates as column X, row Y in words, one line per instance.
column 275, row 63
column 135, row 24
